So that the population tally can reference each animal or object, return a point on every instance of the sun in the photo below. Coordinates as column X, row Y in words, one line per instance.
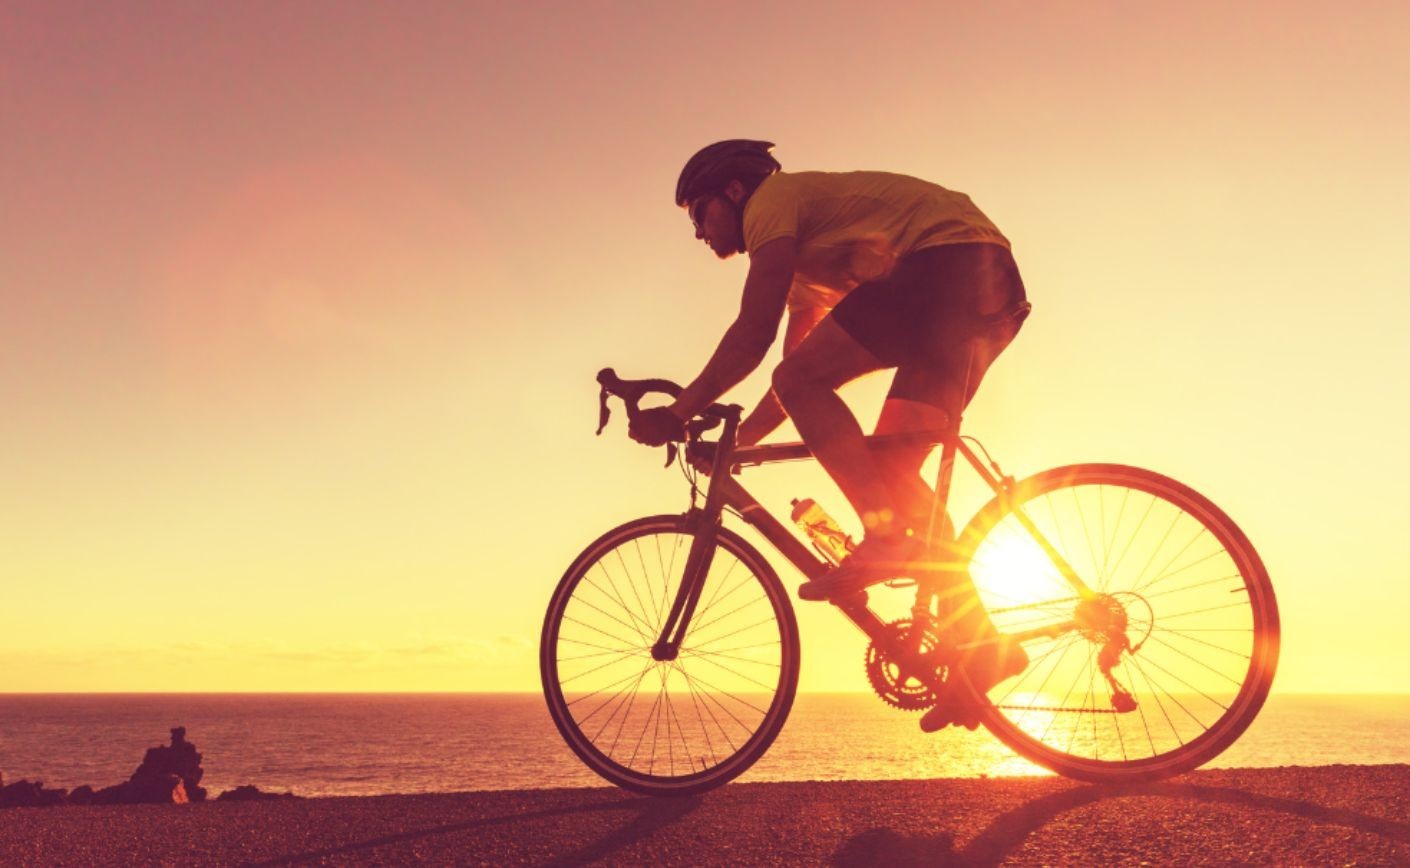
column 1013, row 571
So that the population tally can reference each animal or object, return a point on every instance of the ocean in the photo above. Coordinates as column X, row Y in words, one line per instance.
column 369, row 744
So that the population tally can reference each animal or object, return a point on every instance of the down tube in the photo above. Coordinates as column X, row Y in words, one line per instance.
column 763, row 521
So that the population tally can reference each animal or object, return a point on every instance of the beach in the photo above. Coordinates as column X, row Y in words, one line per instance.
column 1300, row 815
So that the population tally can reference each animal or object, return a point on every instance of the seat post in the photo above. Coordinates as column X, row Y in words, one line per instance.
column 935, row 528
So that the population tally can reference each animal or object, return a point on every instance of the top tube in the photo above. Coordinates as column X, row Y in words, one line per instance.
column 753, row 456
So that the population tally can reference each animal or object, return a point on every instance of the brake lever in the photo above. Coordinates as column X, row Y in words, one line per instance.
column 670, row 454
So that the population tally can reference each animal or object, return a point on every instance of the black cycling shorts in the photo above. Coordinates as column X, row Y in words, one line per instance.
column 940, row 318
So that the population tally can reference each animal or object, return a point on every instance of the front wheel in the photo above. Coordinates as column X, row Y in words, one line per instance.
column 668, row 727
column 1160, row 669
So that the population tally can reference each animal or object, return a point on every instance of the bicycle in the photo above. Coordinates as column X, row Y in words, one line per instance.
column 670, row 651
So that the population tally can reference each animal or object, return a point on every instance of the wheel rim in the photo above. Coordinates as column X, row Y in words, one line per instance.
column 1177, row 579
column 668, row 724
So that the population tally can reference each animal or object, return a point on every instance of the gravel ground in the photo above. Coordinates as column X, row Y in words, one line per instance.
column 1328, row 815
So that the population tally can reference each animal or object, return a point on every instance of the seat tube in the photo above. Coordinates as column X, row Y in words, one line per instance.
column 941, row 501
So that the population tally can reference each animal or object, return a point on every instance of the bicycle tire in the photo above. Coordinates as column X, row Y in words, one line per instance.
column 1223, row 674
column 731, row 730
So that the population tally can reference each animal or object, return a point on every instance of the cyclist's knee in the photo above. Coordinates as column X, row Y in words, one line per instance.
column 792, row 377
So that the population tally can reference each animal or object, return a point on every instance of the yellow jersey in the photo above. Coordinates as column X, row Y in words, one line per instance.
column 851, row 227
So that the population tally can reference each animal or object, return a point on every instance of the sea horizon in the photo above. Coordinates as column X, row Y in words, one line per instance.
column 535, row 692
column 374, row 743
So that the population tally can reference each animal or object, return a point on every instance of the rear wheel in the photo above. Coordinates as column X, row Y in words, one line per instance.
column 678, row 726
column 1184, row 623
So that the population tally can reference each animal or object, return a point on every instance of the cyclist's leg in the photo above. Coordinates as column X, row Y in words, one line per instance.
column 932, row 319
column 806, row 383
column 900, row 464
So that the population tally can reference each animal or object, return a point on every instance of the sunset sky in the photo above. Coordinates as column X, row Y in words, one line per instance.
column 301, row 303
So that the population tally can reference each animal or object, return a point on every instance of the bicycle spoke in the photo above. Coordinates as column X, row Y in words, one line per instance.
column 1062, row 645
column 1109, row 572
column 650, row 590
column 712, row 698
column 1201, row 584
column 637, row 622
column 596, row 654
column 655, row 627
column 573, row 702
column 1236, row 682
column 1155, row 691
column 1242, row 604
column 724, row 580
column 666, row 579
column 1174, row 520
column 731, row 612
column 1065, row 697
column 773, row 644
column 1135, row 534
column 696, row 643
column 626, row 697
column 1166, row 575
column 1180, row 634
column 736, row 673
column 586, row 644
column 1086, row 532
column 639, row 637
column 732, row 696
column 636, row 689
column 622, row 659
column 1194, row 689
column 628, row 642
column 1165, row 570
column 691, row 653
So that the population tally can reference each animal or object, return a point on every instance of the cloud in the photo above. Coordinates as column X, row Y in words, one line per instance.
column 426, row 651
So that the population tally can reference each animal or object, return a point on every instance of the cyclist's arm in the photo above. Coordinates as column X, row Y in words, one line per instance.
column 749, row 337
column 769, row 414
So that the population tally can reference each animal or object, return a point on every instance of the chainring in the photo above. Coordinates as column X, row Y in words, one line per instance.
column 896, row 690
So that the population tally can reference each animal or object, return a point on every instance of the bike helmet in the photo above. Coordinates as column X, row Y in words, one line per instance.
column 714, row 166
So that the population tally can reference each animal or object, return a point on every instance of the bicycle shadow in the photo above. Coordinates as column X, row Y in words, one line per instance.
column 1010, row 830
column 649, row 816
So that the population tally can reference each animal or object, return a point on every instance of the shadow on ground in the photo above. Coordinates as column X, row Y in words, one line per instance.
column 1000, row 839
column 1007, row 832
column 647, row 816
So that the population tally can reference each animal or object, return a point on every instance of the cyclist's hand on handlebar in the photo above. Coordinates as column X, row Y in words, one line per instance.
column 656, row 427
column 701, row 455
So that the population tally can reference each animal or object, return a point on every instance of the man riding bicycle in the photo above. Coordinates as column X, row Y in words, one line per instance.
column 876, row 270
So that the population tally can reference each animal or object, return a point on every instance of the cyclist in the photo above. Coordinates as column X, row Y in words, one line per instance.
column 876, row 271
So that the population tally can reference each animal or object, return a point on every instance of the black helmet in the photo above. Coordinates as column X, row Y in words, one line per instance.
column 714, row 166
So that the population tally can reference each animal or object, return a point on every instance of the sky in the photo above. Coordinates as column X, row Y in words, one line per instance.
column 301, row 304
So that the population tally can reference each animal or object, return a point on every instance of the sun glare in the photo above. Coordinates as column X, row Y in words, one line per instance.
column 1014, row 571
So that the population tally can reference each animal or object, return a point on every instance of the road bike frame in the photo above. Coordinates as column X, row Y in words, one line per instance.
column 949, row 564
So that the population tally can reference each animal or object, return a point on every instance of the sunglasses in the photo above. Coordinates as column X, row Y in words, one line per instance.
column 697, row 208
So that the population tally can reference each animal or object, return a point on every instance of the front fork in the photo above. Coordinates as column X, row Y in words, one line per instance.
column 703, row 524
column 703, row 528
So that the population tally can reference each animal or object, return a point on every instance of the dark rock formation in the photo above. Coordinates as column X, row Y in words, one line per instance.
column 151, row 789
column 250, row 793
column 169, row 774
column 29, row 794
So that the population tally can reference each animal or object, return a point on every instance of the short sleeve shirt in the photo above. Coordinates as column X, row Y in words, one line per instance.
column 851, row 227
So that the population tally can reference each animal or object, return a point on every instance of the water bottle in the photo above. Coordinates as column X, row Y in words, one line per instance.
column 827, row 537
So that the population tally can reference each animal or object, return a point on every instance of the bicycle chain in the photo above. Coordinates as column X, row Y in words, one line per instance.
column 1056, row 708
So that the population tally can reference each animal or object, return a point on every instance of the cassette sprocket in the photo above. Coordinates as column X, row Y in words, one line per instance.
column 895, row 689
